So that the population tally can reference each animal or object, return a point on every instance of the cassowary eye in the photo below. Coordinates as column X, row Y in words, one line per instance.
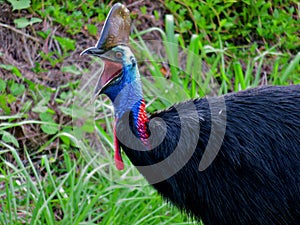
column 117, row 80
column 119, row 55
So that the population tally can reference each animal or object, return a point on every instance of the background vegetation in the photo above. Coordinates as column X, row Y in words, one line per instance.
column 56, row 146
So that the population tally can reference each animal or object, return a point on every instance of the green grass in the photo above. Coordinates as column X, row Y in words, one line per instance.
column 56, row 147
column 75, row 192
column 79, row 183
column 204, row 70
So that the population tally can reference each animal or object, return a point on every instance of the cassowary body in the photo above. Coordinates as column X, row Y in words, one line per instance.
column 252, row 139
column 255, row 177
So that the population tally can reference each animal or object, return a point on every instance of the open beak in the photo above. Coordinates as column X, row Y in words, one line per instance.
column 110, row 71
column 115, row 32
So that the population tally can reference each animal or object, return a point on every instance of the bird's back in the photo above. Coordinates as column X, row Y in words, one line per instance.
column 251, row 138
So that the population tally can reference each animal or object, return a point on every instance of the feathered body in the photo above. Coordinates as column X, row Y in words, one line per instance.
column 255, row 177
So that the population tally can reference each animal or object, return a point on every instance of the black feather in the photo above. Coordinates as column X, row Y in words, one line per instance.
column 255, row 177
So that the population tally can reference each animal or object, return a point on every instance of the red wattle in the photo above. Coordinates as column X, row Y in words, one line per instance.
column 118, row 158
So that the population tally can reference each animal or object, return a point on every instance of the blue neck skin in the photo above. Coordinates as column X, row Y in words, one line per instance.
column 126, row 94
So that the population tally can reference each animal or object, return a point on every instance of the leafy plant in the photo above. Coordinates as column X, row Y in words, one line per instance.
column 209, row 47
column 72, row 15
column 239, row 22
column 19, row 4
column 49, row 127
column 23, row 22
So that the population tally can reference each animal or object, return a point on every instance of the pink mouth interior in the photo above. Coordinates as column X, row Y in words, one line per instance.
column 111, row 69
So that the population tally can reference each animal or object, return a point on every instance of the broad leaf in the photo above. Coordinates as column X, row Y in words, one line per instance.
column 23, row 22
column 19, row 4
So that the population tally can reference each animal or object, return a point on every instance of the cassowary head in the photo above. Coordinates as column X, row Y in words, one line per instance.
column 119, row 73
column 120, row 79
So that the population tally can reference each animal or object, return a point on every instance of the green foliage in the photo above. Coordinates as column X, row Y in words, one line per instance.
column 81, row 195
column 9, row 138
column 16, row 89
column 66, row 43
column 2, row 85
column 11, row 68
column 19, row 4
column 23, row 22
column 92, row 29
column 72, row 15
column 241, row 22
column 205, row 68
column 227, row 46
column 70, row 69
column 50, row 127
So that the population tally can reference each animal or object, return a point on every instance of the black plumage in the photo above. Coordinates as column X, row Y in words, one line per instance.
column 255, row 177
column 228, row 160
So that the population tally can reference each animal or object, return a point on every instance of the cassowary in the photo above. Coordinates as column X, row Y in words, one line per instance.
column 233, row 159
